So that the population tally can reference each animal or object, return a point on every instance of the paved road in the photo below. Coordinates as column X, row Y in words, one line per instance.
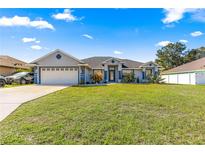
column 11, row 98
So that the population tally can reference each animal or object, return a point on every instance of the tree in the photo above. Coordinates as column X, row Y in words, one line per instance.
column 194, row 54
column 97, row 77
column 171, row 55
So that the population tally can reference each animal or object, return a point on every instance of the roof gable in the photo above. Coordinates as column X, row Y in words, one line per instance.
column 111, row 60
column 54, row 53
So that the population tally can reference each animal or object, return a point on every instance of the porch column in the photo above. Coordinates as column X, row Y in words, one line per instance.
column 143, row 73
column 120, row 72
column 106, row 69
column 81, row 75
column 36, row 75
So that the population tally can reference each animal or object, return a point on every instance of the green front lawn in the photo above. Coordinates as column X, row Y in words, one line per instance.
column 114, row 114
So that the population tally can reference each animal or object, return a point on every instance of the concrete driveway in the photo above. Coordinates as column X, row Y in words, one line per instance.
column 11, row 98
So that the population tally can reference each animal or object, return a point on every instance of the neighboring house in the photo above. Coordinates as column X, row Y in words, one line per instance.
column 189, row 73
column 9, row 65
column 59, row 67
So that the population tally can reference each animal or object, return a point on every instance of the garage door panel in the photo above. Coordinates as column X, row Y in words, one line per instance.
column 59, row 75
column 184, row 78
column 173, row 79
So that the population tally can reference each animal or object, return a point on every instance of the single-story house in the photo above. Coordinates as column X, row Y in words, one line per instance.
column 9, row 65
column 58, row 67
column 189, row 73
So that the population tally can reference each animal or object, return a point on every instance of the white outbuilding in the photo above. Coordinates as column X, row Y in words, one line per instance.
column 189, row 73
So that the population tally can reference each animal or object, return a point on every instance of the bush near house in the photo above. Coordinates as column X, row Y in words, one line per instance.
column 97, row 77
column 154, row 79
column 128, row 78
column 23, row 70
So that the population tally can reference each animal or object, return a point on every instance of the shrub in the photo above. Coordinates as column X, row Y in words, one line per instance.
column 82, row 81
column 128, row 78
column 155, row 79
column 97, row 77
column 23, row 70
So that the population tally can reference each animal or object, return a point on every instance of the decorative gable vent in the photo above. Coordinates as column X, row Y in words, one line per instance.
column 58, row 56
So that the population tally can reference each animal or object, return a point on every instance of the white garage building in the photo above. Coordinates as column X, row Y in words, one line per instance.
column 189, row 73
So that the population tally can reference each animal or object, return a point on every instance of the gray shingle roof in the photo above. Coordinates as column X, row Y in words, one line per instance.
column 96, row 62
column 131, row 63
column 12, row 62
column 191, row 66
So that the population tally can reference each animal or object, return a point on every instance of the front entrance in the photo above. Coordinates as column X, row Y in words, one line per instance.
column 112, row 74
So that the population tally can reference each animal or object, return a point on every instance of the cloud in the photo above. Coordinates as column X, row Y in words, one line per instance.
column 26, row 40
column 88, row 36
column 173, row 15
column 163, row 43
column 183, row 41
column 196, row 33
column 66, row 15
column 118, row 52
column 36, row 47
column 25, row 21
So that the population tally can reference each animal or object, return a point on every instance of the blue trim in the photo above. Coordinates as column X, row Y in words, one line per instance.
column 39, row 71
column 143, row 75
column 105, row 75
column 120, row 75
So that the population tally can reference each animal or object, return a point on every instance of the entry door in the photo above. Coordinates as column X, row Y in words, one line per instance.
column 112, row 75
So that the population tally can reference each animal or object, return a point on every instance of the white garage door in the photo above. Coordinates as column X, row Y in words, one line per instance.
column 185, row 78
column 61, row 75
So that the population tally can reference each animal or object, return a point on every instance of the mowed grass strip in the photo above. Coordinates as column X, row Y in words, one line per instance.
column 114, row 114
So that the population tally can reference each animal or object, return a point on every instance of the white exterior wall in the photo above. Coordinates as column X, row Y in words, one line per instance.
column 181, row 78
column 200, row 77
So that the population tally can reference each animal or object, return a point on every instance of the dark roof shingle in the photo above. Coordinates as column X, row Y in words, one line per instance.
column 96, row 62
column 12, row 62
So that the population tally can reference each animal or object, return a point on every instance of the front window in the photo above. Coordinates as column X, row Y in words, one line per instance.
column 127, row 71
column 111, row 68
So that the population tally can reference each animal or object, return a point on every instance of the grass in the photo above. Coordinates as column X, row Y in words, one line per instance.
column 15, row 85
column 114, row 114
